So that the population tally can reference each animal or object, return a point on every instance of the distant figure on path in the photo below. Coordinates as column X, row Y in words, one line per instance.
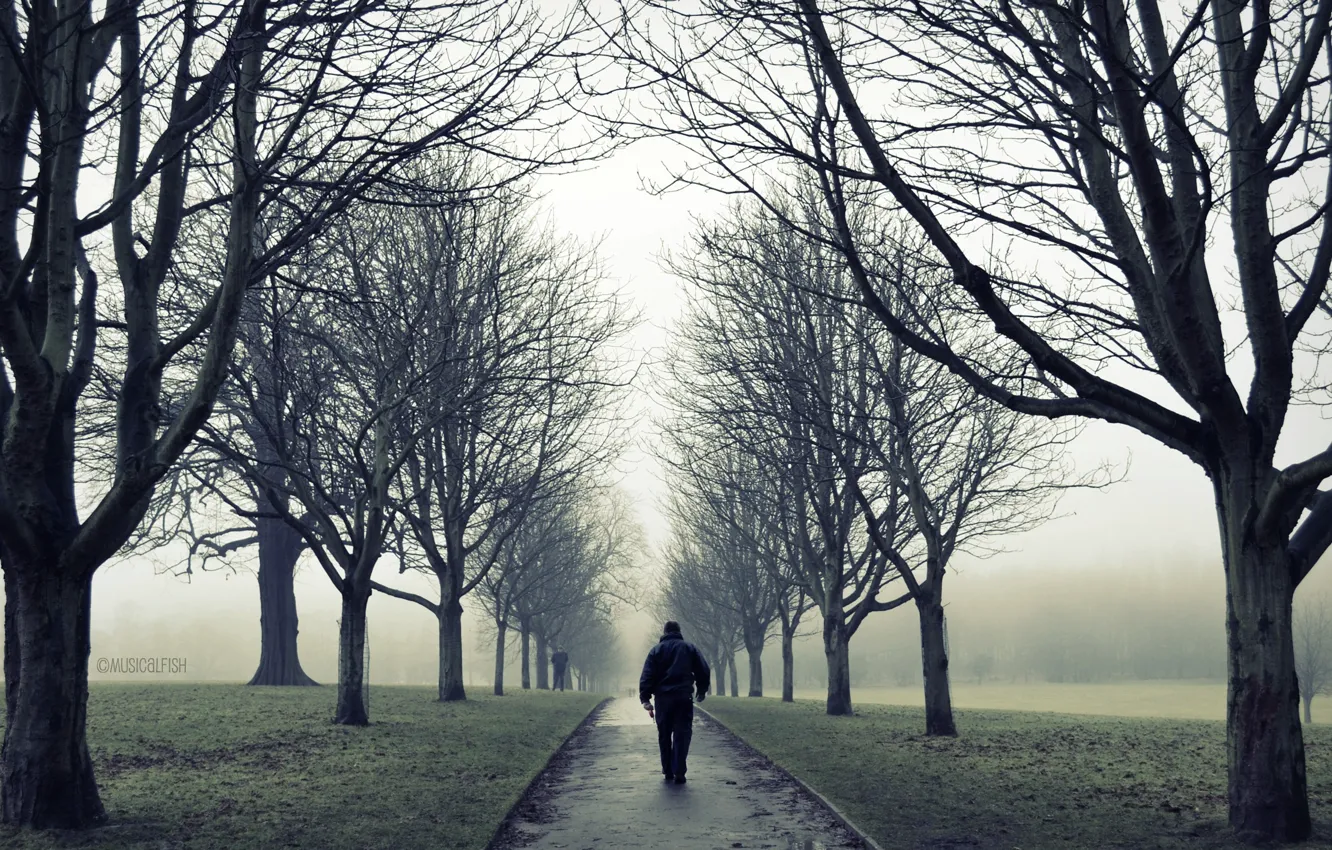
column 560, row 661
column 673, row 672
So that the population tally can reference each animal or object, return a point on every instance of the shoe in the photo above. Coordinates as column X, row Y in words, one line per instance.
column 680, row 780
column 668, row 777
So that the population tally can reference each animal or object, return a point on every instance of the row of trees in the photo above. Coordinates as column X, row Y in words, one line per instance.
column 416, row 385
column 819, row 462
column 1130, row 202
column 558, row 583
column 1066, row 624
column 442, row 396
column 322, row 279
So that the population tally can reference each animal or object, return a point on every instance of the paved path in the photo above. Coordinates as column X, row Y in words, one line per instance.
column 604, row 790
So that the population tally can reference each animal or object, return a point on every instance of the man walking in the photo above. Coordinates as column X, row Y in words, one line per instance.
column 560, row 661
column 673, row 673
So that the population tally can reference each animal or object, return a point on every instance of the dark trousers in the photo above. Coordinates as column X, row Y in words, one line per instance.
column 675, row 729
column 559, row 679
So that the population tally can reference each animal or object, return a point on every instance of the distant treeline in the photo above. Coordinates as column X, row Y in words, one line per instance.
column 1080, row 624
column 1163, row 621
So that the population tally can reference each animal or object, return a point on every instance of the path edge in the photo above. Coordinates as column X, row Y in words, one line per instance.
column 527, row 789
column 809, row 789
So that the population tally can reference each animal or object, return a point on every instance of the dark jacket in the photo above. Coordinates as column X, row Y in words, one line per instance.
column 559, row 659
column 674, row 667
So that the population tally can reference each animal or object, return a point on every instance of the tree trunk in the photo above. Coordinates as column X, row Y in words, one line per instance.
column 1308, row 709
column 279, row 549
column 501, row 633
column 735, row 677
column 11, row 638
column 451, row 652
column 755, row 669
column 352, row 710
column 836, row 650
column 1265, row 747
column 788, row 663
column 45, row 769
column 934, row 662
column 526, row 630
column 543, row 664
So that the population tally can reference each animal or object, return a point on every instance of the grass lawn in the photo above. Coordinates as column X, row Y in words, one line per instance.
column 1016, row 779
column 1184, row 699
column 226, row 766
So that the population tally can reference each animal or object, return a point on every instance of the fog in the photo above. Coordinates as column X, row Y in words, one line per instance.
column 1121, row 583
column 1093, row 619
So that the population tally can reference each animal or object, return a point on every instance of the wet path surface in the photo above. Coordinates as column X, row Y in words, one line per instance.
column 605, row 790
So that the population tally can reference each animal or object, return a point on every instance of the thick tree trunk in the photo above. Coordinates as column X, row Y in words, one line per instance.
column 1265, row 746
column 11, row 640
column 735, row 677
column 279, row 549
column 934, row 663
column 501, row 634
column 542, row 663
column 788, row 664
column 1308, row 710
column 46, row 771
column 836, row 650
column 755, row 669
column 450, row 575
column 451, row 652
column 352, row 710
column 526, row 631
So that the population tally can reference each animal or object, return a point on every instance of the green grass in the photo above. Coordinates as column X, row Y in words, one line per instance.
column 226, row 766
column 1016, row 779
column 1183, row 699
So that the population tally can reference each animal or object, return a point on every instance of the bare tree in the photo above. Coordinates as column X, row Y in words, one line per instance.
column 186, row 508
column 1313, row 650
column 974, row 472
column 591, row 567
column 266, row 118
column 730, row 523
column 332, row 411
column 573, row 590
column 764, row 585
column 593, row 648
column 793, row 604
column 685, row 595
column 1113, row 146
column 526, row 400
column 785, row 378
column 933, row 467
column 782, row 549
column 521, row 571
